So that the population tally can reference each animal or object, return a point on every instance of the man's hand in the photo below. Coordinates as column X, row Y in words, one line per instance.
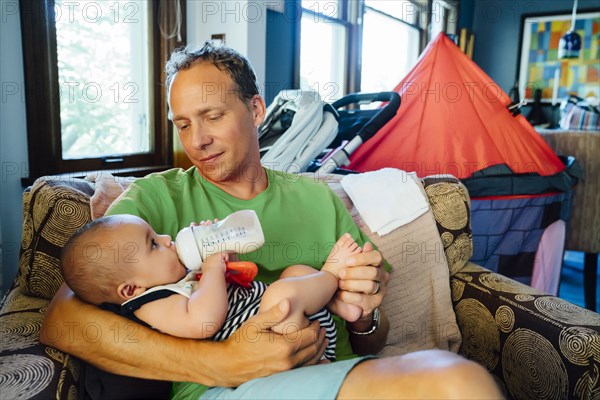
column 256, row 351
column 363, row 283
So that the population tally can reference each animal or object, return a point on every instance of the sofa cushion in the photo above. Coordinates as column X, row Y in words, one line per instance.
column 53, row 209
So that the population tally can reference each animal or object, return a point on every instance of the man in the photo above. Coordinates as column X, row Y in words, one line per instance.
column 216, row 107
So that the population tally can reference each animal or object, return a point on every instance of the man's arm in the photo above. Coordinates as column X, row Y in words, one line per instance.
column 118, row 345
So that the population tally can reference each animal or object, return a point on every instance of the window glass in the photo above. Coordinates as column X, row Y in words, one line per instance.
column 104, row 71
column 322, row 57
column 390, row 49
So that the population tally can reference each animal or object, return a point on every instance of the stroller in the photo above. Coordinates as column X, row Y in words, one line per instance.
column 302, row 133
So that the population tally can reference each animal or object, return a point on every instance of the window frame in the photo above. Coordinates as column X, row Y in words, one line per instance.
column 43, row 104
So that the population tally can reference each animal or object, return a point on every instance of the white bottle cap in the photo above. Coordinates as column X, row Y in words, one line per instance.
column 187, row 249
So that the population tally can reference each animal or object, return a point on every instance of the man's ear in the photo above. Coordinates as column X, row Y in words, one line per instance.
column 259, row 108
column 128, row 290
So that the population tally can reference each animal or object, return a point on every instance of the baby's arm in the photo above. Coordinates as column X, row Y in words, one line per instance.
column 197, row 317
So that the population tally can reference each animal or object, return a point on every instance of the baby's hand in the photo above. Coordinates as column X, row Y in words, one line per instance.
column 204, row 223
column 215, row 262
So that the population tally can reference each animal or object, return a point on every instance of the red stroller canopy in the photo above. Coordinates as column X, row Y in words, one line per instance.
column 454, row 120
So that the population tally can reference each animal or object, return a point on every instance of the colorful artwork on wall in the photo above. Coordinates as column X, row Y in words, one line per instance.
column 540, row 67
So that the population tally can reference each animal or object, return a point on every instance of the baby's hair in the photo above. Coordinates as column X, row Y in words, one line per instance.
column 87, row 265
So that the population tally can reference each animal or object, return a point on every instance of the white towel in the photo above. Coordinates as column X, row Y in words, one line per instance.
column 387, row 198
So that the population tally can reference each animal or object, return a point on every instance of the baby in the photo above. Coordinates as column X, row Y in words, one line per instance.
column 121, row 260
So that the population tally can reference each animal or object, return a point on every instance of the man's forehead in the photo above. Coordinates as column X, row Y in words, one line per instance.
column 203, row 74
column 206, row 81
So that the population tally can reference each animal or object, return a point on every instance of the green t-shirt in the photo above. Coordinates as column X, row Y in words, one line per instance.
column 301, row 219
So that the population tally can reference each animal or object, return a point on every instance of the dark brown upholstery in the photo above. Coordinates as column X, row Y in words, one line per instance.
column 538, row 346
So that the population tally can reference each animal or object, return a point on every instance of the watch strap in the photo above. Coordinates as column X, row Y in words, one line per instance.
column 374, row 325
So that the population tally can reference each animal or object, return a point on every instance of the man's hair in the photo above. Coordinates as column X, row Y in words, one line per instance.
column 89, row 266
column 224, row 58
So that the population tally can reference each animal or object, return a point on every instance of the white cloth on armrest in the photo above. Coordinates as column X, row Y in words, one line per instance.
column 386, row 199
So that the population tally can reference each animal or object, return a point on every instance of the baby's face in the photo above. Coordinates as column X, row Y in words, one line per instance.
column 151, row 258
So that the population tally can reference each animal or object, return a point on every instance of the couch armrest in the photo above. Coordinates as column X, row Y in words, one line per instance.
column 538, row 345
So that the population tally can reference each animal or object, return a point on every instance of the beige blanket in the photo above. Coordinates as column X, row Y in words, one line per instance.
column 418, row 302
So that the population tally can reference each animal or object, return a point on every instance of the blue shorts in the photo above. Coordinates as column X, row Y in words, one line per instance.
column 322, row 381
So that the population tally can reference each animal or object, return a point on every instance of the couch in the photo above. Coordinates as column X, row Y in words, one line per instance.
column 536, row 346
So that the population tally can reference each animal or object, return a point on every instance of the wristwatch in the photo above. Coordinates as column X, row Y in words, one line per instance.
column 374, row 324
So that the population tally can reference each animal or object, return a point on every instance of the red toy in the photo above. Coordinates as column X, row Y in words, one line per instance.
column 240, row 272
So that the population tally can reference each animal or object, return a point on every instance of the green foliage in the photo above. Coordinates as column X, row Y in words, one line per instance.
column 102, row 111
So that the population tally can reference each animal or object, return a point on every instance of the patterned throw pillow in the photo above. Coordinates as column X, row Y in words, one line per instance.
column 52, row 211
column 451, row 207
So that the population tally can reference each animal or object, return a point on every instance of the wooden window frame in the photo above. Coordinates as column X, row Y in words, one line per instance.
column 43, row 104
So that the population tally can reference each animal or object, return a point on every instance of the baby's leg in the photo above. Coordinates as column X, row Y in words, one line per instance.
column 309, row 290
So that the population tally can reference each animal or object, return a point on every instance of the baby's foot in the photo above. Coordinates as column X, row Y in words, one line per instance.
column 343, row 249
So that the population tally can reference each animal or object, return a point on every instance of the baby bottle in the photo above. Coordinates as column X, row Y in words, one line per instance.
column 239, row 232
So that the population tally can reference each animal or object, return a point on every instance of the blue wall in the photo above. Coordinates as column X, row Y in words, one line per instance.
column 281, row 53
column 14, row 160
column 283, row 49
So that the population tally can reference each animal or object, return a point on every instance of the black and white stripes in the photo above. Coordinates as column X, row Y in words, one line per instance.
column 244, row 303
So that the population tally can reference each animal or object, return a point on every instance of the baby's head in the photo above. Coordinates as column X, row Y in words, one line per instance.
column 115, row 258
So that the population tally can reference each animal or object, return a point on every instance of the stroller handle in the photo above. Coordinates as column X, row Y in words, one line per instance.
column 380, row 118
column 358, row 98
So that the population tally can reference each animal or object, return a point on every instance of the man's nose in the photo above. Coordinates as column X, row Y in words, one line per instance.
column 200, row 138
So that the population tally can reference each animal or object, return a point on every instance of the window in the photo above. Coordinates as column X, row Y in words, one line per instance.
column 365, row 45
column 94, row 96
column 390, row 44
column 323, row 49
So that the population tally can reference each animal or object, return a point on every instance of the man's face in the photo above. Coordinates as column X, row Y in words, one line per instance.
column 216, row 128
